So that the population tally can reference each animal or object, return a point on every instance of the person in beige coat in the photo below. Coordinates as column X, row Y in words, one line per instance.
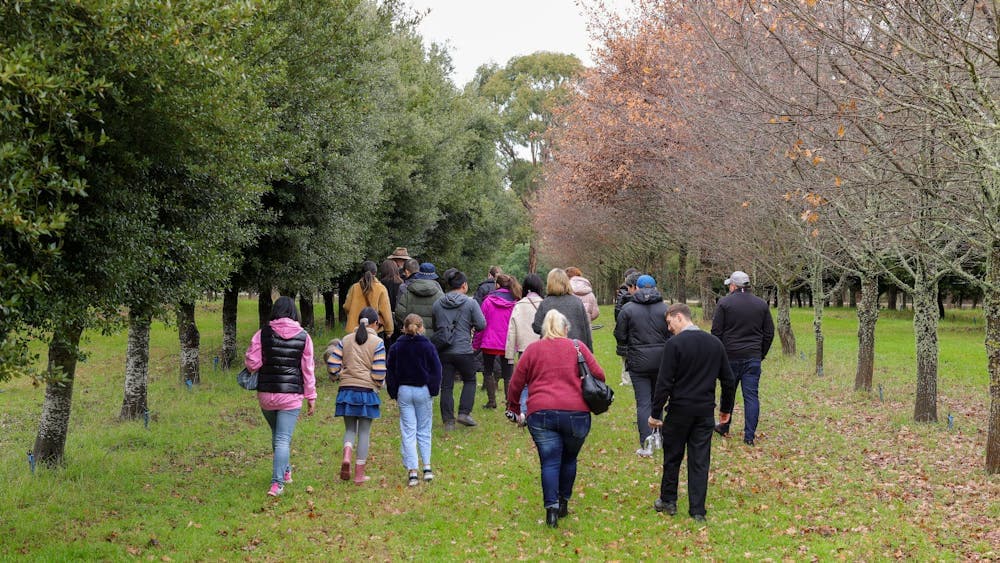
column 519, row 331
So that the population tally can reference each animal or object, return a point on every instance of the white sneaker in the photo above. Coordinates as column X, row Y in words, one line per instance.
column 643, row 452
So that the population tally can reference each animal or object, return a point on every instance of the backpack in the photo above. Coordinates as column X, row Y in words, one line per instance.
column 444, row 336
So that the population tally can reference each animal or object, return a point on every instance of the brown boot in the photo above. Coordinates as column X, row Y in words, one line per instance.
column 345, row 466
column 359, row 473
column 491, row 392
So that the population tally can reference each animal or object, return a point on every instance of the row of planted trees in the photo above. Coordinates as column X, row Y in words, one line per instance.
column 151, row 151
column 802, row 141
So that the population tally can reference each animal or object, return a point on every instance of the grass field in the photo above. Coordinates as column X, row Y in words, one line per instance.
column 835, row 475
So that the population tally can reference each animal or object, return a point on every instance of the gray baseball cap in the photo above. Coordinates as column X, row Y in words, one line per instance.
column 740, row 279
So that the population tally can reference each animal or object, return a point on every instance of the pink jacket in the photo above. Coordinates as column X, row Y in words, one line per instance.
column 285, row 328
column 497, row 308
column 582, row 289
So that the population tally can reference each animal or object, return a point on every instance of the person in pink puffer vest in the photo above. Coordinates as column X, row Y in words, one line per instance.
column 497, row 308
column 582, row 289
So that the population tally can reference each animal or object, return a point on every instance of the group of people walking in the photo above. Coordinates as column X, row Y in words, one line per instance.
column 425, row 335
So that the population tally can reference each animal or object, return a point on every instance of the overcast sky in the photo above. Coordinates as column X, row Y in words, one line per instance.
column 481, row 31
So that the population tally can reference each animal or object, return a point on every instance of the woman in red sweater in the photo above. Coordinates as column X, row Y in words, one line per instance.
column 558, row 418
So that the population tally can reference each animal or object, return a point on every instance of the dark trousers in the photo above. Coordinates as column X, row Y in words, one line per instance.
column 465, row 365
column 695, row 434
column 643, row 385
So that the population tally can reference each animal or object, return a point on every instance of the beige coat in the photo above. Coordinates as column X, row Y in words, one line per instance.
column 519, row 332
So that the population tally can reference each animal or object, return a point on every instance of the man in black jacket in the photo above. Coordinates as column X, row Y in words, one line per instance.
column 693, row 360
column 640, row 331
column 743, row 323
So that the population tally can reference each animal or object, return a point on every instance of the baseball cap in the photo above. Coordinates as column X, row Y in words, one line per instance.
column 740, row 279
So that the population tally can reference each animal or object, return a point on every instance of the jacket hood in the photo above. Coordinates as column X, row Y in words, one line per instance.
column 453, row 300
column 285, row 327
column 502, row 299
column 580, row 285
column 647, row 296
column 423, row 288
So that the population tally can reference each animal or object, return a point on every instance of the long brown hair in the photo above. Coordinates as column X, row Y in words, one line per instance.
column 509, row 283
column 368, row 270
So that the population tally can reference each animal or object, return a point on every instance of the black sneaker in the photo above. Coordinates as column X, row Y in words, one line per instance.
column 749, row 442
column 699, row 517
column 662, row 506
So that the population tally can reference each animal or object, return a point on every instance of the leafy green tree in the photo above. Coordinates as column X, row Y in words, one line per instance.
column 527, row 94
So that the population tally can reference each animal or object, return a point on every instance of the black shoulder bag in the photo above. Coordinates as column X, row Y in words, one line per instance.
column 596, row 393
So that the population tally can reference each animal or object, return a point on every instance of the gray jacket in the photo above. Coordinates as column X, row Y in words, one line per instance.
column 465, row 313
column 572, row 308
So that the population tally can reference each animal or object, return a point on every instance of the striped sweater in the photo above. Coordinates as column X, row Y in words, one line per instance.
column 358, row 365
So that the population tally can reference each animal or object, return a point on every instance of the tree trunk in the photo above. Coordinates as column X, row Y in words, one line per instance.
column 707, row 297
column 134, row 403
column 190, row 340
column 330, row 317
column 867, row 310
column 230, row 310
column 925, row 325
column 532, row 256
column 839, row 297
column 853, row 297
column 50, row 443
column 817, row 300
column 682, row 260
column 891, row 293
column 785, row 321
column 264, row 304
column 306, row 311
column 940, row 304
column 991, row 310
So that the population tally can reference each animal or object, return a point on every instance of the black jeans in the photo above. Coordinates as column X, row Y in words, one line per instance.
column 464, row 364
column 694, row 433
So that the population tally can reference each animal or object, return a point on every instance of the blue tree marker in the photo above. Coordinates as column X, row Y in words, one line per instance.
column 215, row 363
column 145, row 419
column 951, row 422
column 881, row 397
column 189, row 383
column 31, row 461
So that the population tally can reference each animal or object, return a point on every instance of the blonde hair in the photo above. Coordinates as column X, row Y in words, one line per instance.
column 412, row 324
column 555, row 325
column 557, row 282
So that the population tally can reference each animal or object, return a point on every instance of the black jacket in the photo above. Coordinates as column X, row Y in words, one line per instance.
column 622, row 296
column 641, row 330
column 743, row 323
column 693, row 361
column 282, row 368
column 485, row 288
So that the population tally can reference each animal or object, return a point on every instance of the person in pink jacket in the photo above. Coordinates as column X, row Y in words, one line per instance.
column 497, row 308
column 282, row 355
column 582, row 289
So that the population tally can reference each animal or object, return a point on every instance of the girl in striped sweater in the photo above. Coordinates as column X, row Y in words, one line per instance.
column 359, row 363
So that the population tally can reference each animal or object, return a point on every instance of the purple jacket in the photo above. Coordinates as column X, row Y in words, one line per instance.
column 497, row 308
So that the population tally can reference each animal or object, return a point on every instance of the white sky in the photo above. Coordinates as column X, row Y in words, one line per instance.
column 480, row 31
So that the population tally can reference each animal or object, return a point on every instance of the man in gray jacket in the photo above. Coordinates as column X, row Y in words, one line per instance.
column 456, row 314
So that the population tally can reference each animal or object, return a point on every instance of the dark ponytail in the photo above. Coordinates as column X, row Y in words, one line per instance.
column 367, row 317
column 368, row 271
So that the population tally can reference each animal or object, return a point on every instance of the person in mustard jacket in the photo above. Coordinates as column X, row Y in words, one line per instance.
column 368, row 292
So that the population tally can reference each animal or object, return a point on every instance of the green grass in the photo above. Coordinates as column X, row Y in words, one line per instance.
column 836, row 475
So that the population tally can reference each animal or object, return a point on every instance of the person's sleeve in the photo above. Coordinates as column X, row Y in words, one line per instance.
column 517, row 381
column 434, row 378
column 593, row 309
column 595, row 368
column 348, row 300
column 536, row 325
column 478, row 320
column 309, row 369
column 391, row 376
column 718, row 320
column 335, row 360
column 510, row 348
column 378, row 364
column 621, row 333
column 385, row 311
column 768, row 337
column 252, row 359
column 664, row 381
column 402, row 308
column 727, row 381
column 588, row 335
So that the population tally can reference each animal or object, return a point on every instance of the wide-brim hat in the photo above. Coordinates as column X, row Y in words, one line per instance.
column 398, row 254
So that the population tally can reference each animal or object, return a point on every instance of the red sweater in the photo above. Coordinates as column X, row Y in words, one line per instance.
column 549, row 369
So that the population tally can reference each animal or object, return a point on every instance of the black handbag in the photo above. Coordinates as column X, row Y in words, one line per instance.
column 596, row 393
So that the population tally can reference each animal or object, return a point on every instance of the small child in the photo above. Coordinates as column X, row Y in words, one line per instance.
column 359, row 362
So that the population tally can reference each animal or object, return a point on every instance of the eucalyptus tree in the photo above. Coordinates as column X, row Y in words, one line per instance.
column 174, row 112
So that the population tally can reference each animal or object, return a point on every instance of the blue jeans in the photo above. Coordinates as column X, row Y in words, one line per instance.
column 747, row 374
column 282, row 425
column 558, row 435
column 416, row 413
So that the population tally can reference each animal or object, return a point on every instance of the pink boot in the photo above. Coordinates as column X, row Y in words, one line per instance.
column 345, row 466
column 359, row 473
